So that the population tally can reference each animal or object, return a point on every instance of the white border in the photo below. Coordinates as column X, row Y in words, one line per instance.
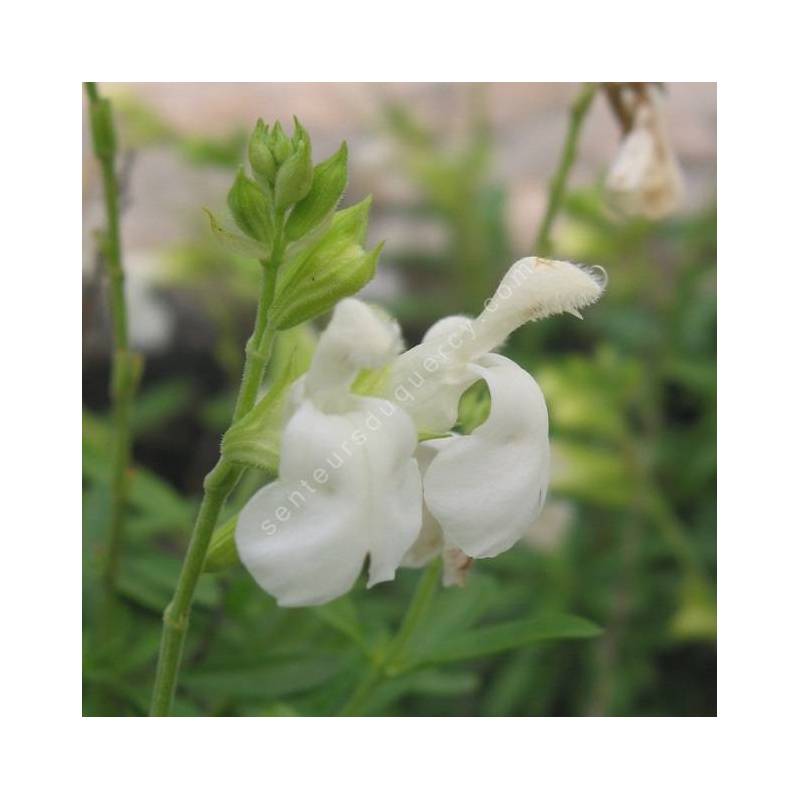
column 50, row 749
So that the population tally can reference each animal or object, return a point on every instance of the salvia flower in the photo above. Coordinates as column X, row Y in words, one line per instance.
column 353, row 480
column 644, row 178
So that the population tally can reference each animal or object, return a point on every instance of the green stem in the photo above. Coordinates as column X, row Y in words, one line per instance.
column 126, row 365
column 389, row 664
column 217, row 486
column 558, row 183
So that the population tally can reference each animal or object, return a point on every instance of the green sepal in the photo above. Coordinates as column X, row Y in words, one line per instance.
column 335, row 266
column 296, row 174
column 262, row 161
column 255, row 440
column 222, row 552
column 252, row 210
column 327, row 187
column 241, row 245
column 103, row 138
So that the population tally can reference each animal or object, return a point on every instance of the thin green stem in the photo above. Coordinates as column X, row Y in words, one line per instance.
column 558, row 183
column 389, row 663
column 217, row 486
column 420, row 604
column 126, row 365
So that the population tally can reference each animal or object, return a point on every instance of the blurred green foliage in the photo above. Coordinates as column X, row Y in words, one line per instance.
column 632, row 399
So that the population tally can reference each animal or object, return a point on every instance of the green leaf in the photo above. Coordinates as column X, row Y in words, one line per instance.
column 155, row 406
column 342, row 615
column 148, row 493
column 269, row 681
column 493, row 639
column 427, row 683
column 150, row 581
column 590, row 473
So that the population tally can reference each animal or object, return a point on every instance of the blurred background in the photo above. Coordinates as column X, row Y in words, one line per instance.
column 459, row 175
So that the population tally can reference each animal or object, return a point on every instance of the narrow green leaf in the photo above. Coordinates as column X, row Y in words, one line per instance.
column 342, row 615
column 493, row 639
column 272, row 680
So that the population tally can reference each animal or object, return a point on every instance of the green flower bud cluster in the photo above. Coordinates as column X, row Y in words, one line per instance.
column 286, row 215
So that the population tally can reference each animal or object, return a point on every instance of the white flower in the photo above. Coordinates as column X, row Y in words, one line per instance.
column 352, row 475
column 349, row 485
column 644, row 178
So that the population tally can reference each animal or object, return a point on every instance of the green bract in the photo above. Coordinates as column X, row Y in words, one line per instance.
column 262, row 161
column 287, row 215
column 252, row 210
column 294, row 177
column 241, row 245
column 254, row 441
column 327, row 187
column 332, row 267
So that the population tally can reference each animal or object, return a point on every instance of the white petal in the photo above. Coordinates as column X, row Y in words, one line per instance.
column 534, row 288
column 428, row 380
column 395, row 514
column 348, row 486
column 429, row 542
column 486, row 489
column 359, row 336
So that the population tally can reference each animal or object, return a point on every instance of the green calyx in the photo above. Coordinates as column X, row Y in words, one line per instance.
column 332, row 267
column 252, row 209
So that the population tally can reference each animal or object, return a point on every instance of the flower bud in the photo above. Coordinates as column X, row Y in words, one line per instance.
column 333, row 267
column 644, row 178
column 327, row 187
column 294, row 177
column 261, row 159
column 279, row 144
column 251, row 209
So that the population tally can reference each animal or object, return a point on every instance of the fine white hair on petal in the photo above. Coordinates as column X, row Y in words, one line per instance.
column 349, row 487
column 359, row 336
column 428, row 380
column 532, row 289
column 487, row 488
column 446, row 327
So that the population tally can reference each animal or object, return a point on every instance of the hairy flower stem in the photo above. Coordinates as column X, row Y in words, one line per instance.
column 558, row 183
column 217, row 486
column 126, row 365
column 389, row 664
